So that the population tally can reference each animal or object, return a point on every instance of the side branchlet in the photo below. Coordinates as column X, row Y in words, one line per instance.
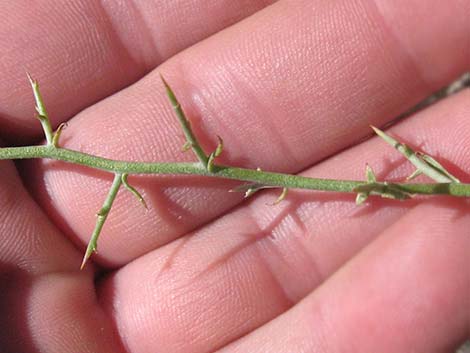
column 424, row 164
column 52, row 137
column 102, row 215
column 191, row 141
column 41, row 112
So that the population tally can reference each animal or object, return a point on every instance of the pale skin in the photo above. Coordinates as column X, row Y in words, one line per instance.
column 291, row 87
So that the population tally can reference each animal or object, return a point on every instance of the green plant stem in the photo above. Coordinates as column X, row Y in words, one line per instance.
column 185, row 125
column 41, row 111
column 433, row 170
column 221, row 171
column 101, row 218
column 256, row 178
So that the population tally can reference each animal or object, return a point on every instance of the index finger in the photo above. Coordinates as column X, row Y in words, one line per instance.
column 82, row 51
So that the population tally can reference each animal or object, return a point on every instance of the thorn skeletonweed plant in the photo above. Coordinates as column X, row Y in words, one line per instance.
column 254, row 179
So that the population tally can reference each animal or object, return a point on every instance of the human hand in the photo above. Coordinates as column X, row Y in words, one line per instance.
column 203, row 270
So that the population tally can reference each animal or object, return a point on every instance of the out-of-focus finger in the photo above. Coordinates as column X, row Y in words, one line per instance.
column 82, row 51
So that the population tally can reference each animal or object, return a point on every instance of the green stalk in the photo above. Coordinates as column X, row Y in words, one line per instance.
column 41, row 111
column 222, row 171
column 191, row 140
column 101, row 218
column 256, row 178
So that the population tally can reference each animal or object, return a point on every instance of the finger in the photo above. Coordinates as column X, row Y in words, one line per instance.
column 47, row 305
column 271, row 98
column 82, row 51
column 413, row 283
column 55, row 312
column 244, row 269
column 29, row 242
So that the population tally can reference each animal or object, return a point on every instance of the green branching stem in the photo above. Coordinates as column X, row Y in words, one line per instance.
column 256, row 179
column 222, row 171
column 101, row 217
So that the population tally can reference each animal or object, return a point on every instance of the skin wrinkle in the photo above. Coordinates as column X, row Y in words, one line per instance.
column 135, row 16
column 393, row 19
column 259, row 239
column 121, row 49
column 408, row 63
column 380, row 18
column 278, row 224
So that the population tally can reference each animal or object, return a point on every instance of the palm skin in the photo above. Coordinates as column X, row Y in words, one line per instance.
column 292, row 87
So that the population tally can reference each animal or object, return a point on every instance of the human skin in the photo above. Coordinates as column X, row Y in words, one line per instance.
column 292, row 87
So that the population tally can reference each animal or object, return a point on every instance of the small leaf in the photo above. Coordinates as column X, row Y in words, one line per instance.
column 186, row 147
column 220, row 147
column 370, row 176
column 436, row 165
column 413, row 175
column 133, row 190
column 55, row 138
column 213, row 155
column 250, row 192
column 250, row 188
column 361, row 198
column 281, row 197
column 210, row 163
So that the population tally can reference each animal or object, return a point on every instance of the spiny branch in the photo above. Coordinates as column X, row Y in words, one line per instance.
column 191, row 141
column 255, row 179
column 41, row 111
column 102, row 215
